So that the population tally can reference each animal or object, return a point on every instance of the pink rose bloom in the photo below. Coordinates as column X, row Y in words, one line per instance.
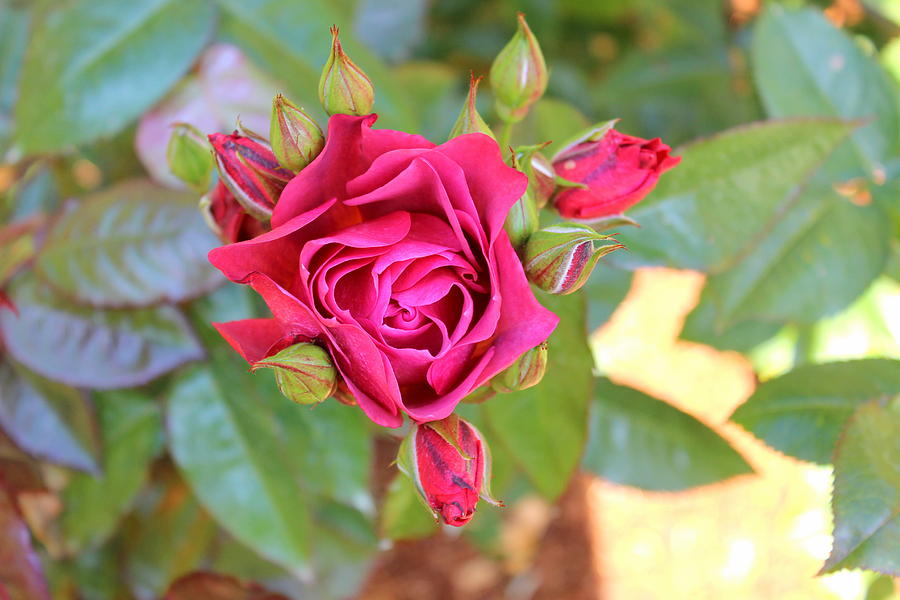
column 390, row 252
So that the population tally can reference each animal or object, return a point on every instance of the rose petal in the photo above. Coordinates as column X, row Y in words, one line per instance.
column 252, row 338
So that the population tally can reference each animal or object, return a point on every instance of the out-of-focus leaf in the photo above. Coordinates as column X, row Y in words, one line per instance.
column 21, row 575
column 647, row 443
column 801, row 413
column 728, row 191
column 435, row 94
column 17, row 246
column 605, row 290
column 224, row 86
column 34, row 193
column 804, row 66
column 550, row 120
column 866, row 497
column 545, row 427
column 93, row 66
column 18, row 471
column 48, row 420
column 202, row 585
column 292, row 41
column 701, row 326
column 821, row 255
column 90, row 348
column 344, row 547
column 135, row 244
column 391, row 29
column 14, row 25
column 93, row 505
column 404, row 514
column 169, row 541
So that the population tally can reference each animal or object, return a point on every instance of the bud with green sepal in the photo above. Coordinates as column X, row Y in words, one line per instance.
column 189, row 157
column 559, row 259
column 450, row 464
column 519, row 74
column 526, row 372
column 469, row 121
column 344, row 88
column 523, row 218
column 295, row 137
column 304, row 372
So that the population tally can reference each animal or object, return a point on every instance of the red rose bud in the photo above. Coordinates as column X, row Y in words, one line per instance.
column 343, row 87
column 449, row 463
column 559, row 259
column 227, row 218
column 524, row 373
column 518, row 74
column 618, row 169
column 296, row 137
column 188, row 154
column 469, row 121
column 304, row 373
column 251, row 172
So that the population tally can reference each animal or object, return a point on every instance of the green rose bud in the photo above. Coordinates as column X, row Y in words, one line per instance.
column 526, row 372
column 519, row 74
column 343, row 87
column 190, row 157
column 304, row 373
column 295, row 137
column 559, row 259
column 469, row 120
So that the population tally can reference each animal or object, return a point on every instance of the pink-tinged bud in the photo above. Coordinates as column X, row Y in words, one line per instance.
column 619, row 170
column 559, row 259
column 469, row 121
column 449, row 462
column 542, row 179
column 519, row 74
column 526, row 372
column 296, row 137
column 188, row 156
column 251, row 172
column 344, row 88
column 227, row 218
column 304, row 373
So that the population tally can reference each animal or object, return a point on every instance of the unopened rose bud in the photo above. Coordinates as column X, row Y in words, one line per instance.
column 304, row 373
column 522, row 220
column 227, row 218
column 295, row 136
column 251, row 172
column 559, row 259
column 189, row 157
column 519, row 74
column 469, row 121
column 526, row 372
column 450, row 464
column 618, row 171
column 542, row 178
column 344, row 88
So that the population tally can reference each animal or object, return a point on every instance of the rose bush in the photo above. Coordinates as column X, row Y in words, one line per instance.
column 390, row 251
column 619, row 170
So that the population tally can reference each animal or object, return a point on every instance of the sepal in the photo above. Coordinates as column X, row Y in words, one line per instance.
column 189, row 157
column 296, row 138
column 304, row 373
column 343, row 87
column 560, row 258
column 518, row 74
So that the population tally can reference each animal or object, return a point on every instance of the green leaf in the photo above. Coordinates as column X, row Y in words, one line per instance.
column 15, row 23
column 392, row 29
column 821, row 255
column 90, row 348
column 801, row 413
column 550, row 120
column 434, row 91
column 544, row 427
column 170, row 540
column 94, row 65
column 228, row 443
column 203, row 585
column 728, row 191
column 292, row 41
column 640, row 441
column 804, row 66
column 605, row 290
column 135, row 244
column 49, row 420
column 701, row 326
column 404, row 515
column 866, row 497
column 21, row 576
column 93, row 505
